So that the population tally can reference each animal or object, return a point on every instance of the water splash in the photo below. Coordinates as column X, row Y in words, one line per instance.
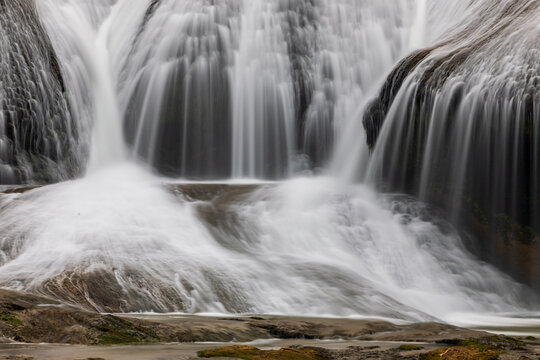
column 304, row 247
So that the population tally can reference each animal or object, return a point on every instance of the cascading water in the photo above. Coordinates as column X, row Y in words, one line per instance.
column 249, row 88
column 176, row 88
column 357, row 42
column 38, row 136
column 301, row 247
column 91, row 51
column 461, row 129
column 244, row 89
column 263, row 95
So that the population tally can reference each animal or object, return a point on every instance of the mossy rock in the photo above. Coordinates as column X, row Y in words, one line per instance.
column 116, row 331
column 504, row 342
column 410, row 347
column 10, row 319
column 461, row 353
column 252, row 353
column 510, row 230
column 474, row 349
column 490, row 342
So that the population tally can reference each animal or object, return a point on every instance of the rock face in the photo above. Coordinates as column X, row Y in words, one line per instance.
column 34, row 319
column 458, row 125
column 31, row 319
column 37, row 133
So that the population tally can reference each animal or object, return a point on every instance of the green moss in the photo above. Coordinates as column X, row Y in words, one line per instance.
column 461, row 353
column 512, row 231
column 410, row 347
column 117, row 331
column 491, row 342
column 505, row 341
column 472, row 349
column 488, row 348
column 530, row 338
column 10, row 319
column 475, row 209
column 476, row 344
column 252, row 353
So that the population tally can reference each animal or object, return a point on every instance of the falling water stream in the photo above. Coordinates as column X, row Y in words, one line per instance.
column 255, row 89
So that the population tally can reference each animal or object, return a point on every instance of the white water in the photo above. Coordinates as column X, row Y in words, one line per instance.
column 88, row 43
column 263, row 94
column 311, row 246
column 418, row 34
column 39, row 139
column 475, row 134
column 306, row 246
column 107, row 140
column 359, row 42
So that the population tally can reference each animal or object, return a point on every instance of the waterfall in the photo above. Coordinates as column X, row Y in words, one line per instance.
column 107, row 140
column 39, row 138
column 303, row 109
column 419, row 28
column 256, row 89
column 351, row 74
column 115, row 241
column 90, row 44
column 263, row 95
column 461, row 129
column 176, row 88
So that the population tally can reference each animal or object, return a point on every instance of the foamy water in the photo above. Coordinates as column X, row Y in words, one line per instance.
column 308, row 246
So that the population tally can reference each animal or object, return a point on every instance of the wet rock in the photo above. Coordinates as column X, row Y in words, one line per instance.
column 34, row 319
column 38, row 136
column 433, row 107
column 252, row 353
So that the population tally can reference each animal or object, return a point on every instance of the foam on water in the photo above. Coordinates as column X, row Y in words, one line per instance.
column 308, row 246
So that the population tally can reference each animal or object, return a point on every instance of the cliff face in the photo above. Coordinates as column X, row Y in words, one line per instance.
column 37, row 134
column 458, row 124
